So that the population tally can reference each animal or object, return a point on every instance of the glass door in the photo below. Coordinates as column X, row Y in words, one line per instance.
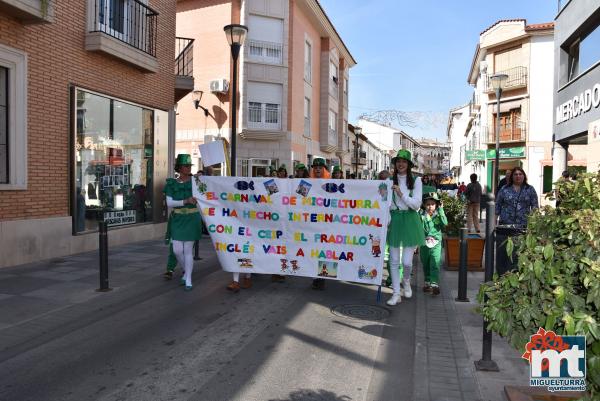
column 113, row 17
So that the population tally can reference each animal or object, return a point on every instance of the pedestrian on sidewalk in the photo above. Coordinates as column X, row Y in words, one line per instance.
column 473, row 195
column 185, row 224
column 405, row 231
column 319, row 170
column 434, row 220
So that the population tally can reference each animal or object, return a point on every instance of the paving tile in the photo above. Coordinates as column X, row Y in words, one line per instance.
column 67, row 292
column 15, row 309
column 22, row 284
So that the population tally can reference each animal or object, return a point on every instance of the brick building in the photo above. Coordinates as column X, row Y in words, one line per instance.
column 87, row 90
column 293, row 83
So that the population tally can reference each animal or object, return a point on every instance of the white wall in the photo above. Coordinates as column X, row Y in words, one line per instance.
column 460, row 119
column 381, row 136
column 541, row 81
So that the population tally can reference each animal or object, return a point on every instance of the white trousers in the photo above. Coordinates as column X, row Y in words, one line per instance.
column 184, row 252
column 407, row 261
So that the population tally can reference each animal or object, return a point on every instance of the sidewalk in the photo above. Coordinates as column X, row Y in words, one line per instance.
column 54, row 296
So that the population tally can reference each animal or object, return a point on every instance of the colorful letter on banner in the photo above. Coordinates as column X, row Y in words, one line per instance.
column 326, row 228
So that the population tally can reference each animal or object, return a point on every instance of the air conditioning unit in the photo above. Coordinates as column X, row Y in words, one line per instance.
column 219, row 85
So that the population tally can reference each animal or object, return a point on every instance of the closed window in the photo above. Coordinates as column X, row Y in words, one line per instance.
column 13, row 119
column 265, row 39
column 507, row 59
column 307, row 62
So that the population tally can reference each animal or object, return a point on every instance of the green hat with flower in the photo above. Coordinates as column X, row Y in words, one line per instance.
column 405, row 155
column 319, row 162
column 183, row 159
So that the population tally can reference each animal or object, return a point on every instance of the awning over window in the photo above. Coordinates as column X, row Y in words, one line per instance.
column 505, row 107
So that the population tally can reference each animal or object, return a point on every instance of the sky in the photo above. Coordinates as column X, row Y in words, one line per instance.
column 414, row 56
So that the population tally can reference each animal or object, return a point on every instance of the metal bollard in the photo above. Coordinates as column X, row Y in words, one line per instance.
column 103, row 249
column 462, row 268
column 486, row 363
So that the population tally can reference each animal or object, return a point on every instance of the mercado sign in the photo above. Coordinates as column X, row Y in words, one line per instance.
column 475, row 154
column 333, row 229
column 579, row 105
column 507, row 153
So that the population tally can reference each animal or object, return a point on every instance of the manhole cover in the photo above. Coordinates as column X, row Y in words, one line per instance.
column 361, row 312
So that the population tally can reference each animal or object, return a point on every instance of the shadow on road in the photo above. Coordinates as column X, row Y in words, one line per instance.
column 312, row 395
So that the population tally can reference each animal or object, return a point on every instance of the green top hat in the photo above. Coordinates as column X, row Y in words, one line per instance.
column 431, row 195
column 300, row 166
column 336, row 169
column 183, row 159
column 318, row 162
column 282, row 168
column 405, row 155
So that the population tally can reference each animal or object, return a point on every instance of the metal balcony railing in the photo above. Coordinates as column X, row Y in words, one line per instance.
column 517, row 78
column 265, row 52
column 510, row 132
column 184, row 57
column 264, row 116
column 333, row 89
column 129, row 21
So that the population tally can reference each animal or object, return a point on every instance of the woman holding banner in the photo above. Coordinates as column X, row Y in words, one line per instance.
column 405, row 231
column 185, row 224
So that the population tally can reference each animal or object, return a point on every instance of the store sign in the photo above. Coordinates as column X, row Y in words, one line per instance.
column 507, row 153
column 120, row 218
column 594, row 131
column 475, row 154
column 579, row 105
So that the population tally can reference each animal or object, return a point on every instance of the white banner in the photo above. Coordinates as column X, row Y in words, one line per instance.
column 333, row 229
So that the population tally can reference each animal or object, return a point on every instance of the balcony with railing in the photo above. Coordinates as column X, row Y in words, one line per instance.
column 184, row 67
column 126, row 29
column 29, row 11
column 517, row 78
column 264, row 116
column 265, row 52
column 515, row 131
column 362, row 158
column 333, row 88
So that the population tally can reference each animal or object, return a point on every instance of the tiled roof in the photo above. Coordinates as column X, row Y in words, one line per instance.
column 540, row 27
column 503, row 20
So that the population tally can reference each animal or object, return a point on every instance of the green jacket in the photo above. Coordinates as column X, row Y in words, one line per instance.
column 433, row 225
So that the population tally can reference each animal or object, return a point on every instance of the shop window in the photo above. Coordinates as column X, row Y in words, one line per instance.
column 114, row 156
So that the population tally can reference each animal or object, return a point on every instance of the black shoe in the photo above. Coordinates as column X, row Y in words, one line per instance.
column 318, row 284
column 168, row 275
column 435, row 290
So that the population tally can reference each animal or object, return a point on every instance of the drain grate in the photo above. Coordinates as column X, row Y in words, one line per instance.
column 361, row 312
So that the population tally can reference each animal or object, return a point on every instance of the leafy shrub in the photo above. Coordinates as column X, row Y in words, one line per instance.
column 456, row 212
column 557, row 284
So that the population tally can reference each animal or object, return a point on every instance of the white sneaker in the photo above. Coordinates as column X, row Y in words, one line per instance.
column 407, row 290
column 395, row 299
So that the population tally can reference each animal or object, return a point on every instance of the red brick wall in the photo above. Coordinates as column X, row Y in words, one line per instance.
column 57, row 58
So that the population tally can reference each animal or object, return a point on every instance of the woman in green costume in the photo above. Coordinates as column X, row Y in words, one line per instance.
column 405, row 231
column 185, row 223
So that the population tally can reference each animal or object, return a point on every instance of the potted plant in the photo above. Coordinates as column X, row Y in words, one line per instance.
column 557, row 283
column 456, row 212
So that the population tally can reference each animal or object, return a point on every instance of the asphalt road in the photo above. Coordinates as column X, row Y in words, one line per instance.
column 274, row 341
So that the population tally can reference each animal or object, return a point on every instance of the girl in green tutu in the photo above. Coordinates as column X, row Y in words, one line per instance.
column 185, row 223
column 405, row 231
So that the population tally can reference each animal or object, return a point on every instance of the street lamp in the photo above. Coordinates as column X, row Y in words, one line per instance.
column 196, row 97
column 498, row 81
column 236, row 34
column 357, row 132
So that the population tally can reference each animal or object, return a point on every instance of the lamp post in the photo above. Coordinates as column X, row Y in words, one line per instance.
column 236, row 34
column 357, row 132
column 498, row 81
column 196, row 97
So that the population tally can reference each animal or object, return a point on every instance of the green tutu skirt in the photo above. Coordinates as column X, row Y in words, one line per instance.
column 185, row 227
column 405, row 229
